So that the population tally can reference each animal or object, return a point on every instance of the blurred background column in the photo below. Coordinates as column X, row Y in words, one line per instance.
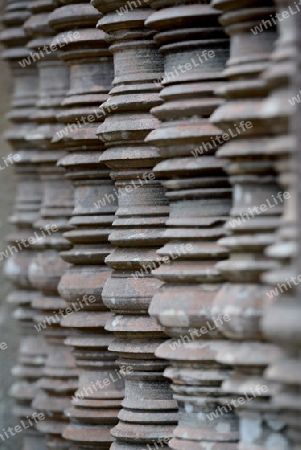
column 8, row 326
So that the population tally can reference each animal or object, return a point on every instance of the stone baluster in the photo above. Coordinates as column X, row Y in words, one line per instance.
column 281, row 320
column 97, row 401
column 195, row 50
column 149, row 413
column 28, row 198
column 257, row 204
column 59, row 380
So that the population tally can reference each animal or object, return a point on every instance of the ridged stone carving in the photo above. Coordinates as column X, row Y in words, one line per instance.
column 281, row 319
column 97, row 401
column 149, row 413
column 257, row 204
column 20, row 249
column 59, row 379
column 195, row 50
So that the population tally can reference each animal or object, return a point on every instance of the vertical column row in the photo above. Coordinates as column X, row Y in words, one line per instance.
column 254, row 217
column 28, row 199
column 195, row 50
column 96, row 403
column 59, row 379
column 149, row 244
column 281, row 319
column 149, row 412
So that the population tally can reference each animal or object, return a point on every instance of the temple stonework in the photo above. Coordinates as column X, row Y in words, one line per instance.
column 154, row 257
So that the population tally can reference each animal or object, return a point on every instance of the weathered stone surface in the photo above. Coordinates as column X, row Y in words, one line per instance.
column 139, row 193
column 59, row 379
column 149, row 413
column 32, row 347
column 97, row 401
column 254, row 217
column 195, row 50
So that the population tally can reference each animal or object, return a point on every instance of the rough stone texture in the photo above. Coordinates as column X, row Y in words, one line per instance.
column 251, row 167
column 149, row 413
column 199, row 195
column 190, row 36
column 59, row 379
column 100, row 391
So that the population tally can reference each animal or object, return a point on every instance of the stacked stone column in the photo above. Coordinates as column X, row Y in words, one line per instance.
column 257, row 204
column 195, row 50
column 32, row 347
column 149, row 413
column 158, row 172
column 281, row 320
column 97, row 401
column 59, row 379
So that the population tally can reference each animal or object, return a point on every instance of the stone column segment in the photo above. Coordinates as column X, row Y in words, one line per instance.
column 97, row 401
column 254, row 218
column 195, row 50
column 21, row 250
column 59, row 380
column 149, row 413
